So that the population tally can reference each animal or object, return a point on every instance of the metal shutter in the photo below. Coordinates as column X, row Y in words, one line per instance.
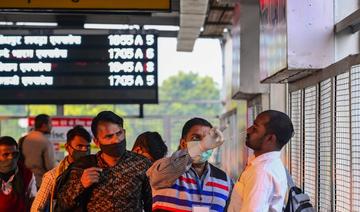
column 295, row 143
column 325, row 146
column 310, row 156
column 342, row 144
column 355, row 136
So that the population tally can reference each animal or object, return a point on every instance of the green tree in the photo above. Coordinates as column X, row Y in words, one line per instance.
column 35, row 110
column 88, row 110
column 177, row 90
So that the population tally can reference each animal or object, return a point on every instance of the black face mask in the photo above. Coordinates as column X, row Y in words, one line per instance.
column 114, row 150
column 77, row 154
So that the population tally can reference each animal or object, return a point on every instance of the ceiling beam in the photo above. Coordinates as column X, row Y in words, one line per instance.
column 35, row 31
column 170, row 19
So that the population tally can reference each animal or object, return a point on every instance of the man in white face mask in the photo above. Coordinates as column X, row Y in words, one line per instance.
column 186, row 181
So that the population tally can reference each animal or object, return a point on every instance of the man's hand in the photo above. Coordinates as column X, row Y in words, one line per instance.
column 212, row 140
column 90, row 176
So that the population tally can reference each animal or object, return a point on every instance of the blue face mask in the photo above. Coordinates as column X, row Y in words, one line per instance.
column 201, row 158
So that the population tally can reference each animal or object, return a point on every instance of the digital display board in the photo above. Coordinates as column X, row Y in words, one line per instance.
column 76, row 69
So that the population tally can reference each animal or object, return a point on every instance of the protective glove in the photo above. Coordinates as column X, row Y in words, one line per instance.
column 212, row 140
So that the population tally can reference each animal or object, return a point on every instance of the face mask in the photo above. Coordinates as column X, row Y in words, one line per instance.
column 114, row 150
column 7, row 166
column 77, row 154
column 200, row 158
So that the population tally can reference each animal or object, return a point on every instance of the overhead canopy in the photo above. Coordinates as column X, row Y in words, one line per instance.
column 195, row 18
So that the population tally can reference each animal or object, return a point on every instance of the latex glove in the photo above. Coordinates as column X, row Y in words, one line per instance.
column 212, row 140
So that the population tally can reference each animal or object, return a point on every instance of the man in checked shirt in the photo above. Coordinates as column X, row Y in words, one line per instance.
column 117, row 179
column 78, row 141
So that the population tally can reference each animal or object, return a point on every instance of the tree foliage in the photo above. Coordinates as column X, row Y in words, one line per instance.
column 178, row 92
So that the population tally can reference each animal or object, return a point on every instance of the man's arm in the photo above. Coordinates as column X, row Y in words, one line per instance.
column 164, row 172
column 43, row 195
column 49, row 156
column 71, row 190
column 75, row 185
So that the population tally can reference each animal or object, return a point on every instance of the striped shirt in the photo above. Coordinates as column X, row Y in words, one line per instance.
column 182, row 193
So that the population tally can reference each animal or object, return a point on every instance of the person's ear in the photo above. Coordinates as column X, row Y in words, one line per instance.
column 272, row 139
column 66, row 147
column 137, row 150
column 183, row 143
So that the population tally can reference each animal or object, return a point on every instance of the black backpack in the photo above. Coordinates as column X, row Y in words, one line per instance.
column 83, row 163
column 298, row 201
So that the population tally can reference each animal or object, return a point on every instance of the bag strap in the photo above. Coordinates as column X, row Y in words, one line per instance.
column 289, row 179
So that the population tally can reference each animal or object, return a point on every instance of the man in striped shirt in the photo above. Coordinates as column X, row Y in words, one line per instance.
column 186, row 181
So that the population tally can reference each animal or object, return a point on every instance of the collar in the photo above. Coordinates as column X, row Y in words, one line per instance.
column 6, row 186
column 9, row 176
column 102, row 163
column 63, row 165
column 206, row 170
column 264, row 157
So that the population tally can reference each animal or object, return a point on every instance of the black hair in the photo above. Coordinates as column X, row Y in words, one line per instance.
column 40, row 120
column 105, row 116
column 152, row 143
column 280, row 125
column 8, row 141
column 78, row 130
column 192, row 122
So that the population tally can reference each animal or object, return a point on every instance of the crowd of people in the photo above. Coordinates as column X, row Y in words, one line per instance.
column 144, row 179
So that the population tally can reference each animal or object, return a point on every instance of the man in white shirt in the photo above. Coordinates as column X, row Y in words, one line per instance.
column 262, row 185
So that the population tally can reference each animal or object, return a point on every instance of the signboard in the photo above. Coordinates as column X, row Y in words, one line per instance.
column 61, row 125
column 75, row 69
column 273, row 37
column 87, row 4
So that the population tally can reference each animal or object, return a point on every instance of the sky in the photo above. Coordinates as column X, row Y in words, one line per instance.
column 206, row 59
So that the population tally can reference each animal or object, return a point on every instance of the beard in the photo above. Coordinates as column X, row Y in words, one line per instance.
column 254, row 144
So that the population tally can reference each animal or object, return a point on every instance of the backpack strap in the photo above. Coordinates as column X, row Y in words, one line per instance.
column 289, row 179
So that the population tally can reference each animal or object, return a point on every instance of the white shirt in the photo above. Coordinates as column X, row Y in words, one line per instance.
column 262, row 185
